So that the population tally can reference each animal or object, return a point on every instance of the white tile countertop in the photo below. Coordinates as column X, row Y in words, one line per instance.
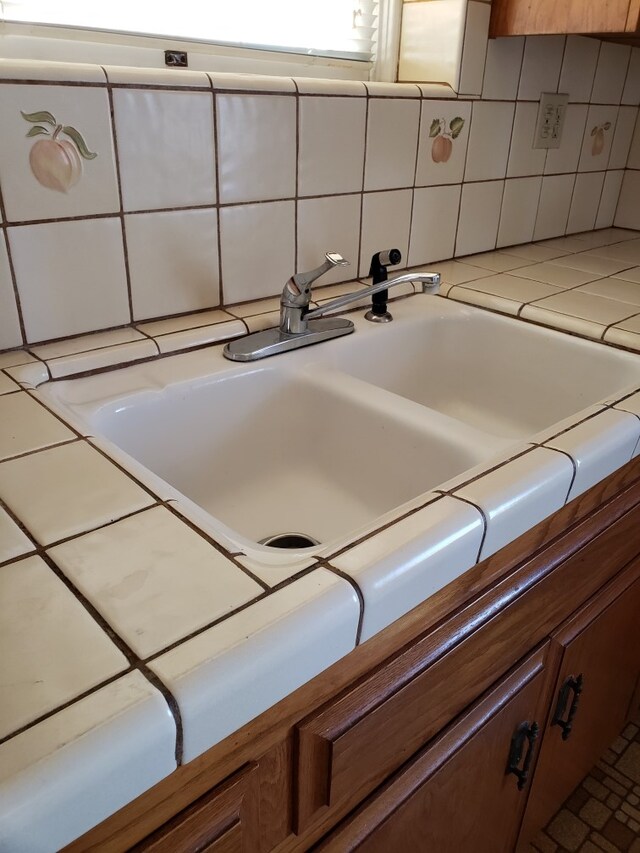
column 133, row 639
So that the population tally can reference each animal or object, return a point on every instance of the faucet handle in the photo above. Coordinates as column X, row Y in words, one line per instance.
column 304, row 279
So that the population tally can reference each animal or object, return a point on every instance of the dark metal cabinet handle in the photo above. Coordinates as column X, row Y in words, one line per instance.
column 524, row 733
column 572, row 685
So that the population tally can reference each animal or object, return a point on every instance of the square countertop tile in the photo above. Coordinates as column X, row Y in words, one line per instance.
column 495, row 261
column 58, row 651
column 560, row 276
column 7, row 385
column 66, row 490
column 508, row 286
column 13, row 542
column 25, row 425
column 154, row 579
column 614, row 288
column 592, row 263
column 587, row 306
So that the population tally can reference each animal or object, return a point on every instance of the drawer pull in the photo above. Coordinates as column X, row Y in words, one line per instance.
column 574, row 685
column 528, row 733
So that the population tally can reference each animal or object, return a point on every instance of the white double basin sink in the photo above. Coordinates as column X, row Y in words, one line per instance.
column 333, row 439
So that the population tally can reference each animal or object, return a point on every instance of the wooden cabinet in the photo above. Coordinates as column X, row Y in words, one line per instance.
column 407, row 741
column 530, row 17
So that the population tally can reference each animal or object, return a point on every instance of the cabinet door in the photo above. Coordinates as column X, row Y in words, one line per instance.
column 459, row 794
column 593, row 695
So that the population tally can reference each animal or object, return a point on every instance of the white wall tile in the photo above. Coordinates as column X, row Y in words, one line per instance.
column 257, row 249
column 633, row 160
column 329, row 225
column 598, row 138
column 434, row 224
column 519, row 210
column 173, row 262
column 441, row 158
column 625, row 126
column 10, row 335
column 502, row 69
column 553, row 208
column 474, row 49
column 631, row 92
column 489, row 140
column 611, row 73
column 165, row 148
column 609, row 199
column 540, row 66
column 56, row 162
column 82, row 263
column 442, row 60
column 585, row 202
column 524, row 159
column 479, row 217
column 628, row 211
column 565, row 158
column 392, row 143
column 385, row 223
column 256, row 147
column 579, row 68
column 331, row 156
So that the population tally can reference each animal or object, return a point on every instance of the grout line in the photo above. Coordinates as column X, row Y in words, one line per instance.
column 356, row 588
column 296, row 202
column 364, row 168
column 216, row 165
column 485, row 520
column 174, row 707
column 38, row 449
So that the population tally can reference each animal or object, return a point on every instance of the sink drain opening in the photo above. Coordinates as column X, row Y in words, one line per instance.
column 289, row 540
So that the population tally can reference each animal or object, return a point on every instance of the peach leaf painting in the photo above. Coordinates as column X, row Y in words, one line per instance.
column 56, row 162
column 443, row 137
column 597, row 137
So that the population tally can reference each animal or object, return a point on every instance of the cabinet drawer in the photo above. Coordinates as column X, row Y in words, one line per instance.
column 225, row 820
column 351, row 745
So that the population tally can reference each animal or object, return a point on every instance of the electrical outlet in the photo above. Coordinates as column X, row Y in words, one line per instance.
column 176, row 58
column 550, row 120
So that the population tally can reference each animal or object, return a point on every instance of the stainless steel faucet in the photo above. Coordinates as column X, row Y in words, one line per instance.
column 300, row 326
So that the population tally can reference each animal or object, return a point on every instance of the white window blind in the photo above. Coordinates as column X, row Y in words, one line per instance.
column 334, row 28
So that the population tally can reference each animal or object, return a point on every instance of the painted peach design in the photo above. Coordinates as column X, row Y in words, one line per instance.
column 442, row 145
column 597, row 134
column 56, row 163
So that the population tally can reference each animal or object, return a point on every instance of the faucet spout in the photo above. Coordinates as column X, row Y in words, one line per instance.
column 430, row 284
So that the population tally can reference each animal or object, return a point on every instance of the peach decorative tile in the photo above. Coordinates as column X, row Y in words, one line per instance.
column 520, row 494
column 479, row 217
column 474, row 48
column 622, row 137
column 489, row 139
column 566, row 158
column 119, row 354
column 331, row 140
column 66, row 490
column 560, row 276
column 202, row 335
column 56, row 152
column 427, row 550
column 585, row 201
column 444, row 136
column 553, row 206
column 247, row 663
column 256, row 147
column 579, row 68
column 434, row 223
column 173, row 261
column 330, row 224
column 83, row 264
column 13, row 542
column 598, row 447
column 524, row 159
column 592, row 263
column 540, row 66
column 257, row 248
column 598, row 138
column 385, row 224
column 614, row 288
column 10, row 334
column 25, row 425
column 44, row 669
column 519, row 210
column 86, row 343
column 65, row 775
column 223, row 81
column 497, row 261
column 392, row 143
column 609, row 198
column 502, row 68
column 166, row 148
column 175, row 581
column 611, row 73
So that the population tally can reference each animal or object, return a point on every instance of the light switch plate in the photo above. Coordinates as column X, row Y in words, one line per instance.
column 550, row 120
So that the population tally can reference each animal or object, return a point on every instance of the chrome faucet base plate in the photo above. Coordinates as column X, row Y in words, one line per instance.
column 272, row 341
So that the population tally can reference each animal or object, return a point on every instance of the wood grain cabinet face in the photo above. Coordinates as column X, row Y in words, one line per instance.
column 531, row 17
column 458, row 794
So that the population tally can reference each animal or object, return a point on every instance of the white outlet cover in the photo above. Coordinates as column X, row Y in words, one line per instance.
column 550, row 120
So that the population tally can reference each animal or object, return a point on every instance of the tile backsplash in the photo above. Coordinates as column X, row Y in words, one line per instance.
column 128, row 195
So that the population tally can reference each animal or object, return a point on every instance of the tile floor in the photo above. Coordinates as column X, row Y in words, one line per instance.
column 603, row 813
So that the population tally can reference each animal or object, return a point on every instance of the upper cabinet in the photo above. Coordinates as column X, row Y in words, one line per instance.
column 531, row 17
